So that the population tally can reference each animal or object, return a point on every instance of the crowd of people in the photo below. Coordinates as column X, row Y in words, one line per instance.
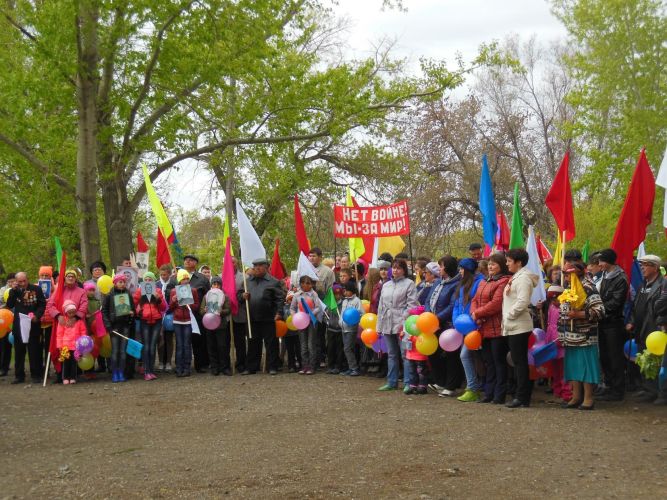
column 185, row 323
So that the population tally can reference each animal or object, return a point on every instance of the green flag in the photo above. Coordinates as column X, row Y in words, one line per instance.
column 516, row 234
column 330, row 300
column 584, row 251
column 59, row 251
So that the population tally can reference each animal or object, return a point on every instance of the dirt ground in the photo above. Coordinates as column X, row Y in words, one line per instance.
column 322, row 436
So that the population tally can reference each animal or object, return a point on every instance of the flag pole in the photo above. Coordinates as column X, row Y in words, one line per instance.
column 46, row 370
column 232, row 354
column 562, row 261
column 247, row 304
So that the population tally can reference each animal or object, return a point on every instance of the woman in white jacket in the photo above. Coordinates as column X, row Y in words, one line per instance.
column 518, row 323
column 398, row 296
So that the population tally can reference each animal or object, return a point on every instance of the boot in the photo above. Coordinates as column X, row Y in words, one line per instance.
column 114, row 376
column 121, row 376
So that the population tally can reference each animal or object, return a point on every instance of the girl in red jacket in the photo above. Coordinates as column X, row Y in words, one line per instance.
column 150, row 310
column 67, row 333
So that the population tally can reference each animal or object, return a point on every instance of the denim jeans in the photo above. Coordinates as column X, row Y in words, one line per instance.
column 310, row 347
column 468, row 360
column 183, row 347
column 349, row 341
column 118, row 348
column 150, row 335
column 417, row 373
column 393, row 359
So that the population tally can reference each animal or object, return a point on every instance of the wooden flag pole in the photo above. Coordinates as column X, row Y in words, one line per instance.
column 46, row 370
column 562, row 261
column 232, row 354
column 247, row 304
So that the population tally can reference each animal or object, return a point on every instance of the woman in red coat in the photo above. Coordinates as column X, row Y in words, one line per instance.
column 487, row 310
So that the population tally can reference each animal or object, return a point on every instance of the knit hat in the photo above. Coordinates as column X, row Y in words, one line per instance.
column 72, row 271
column 89, row 285
column 608, row 255
column 119, row 277
column 468, row 264
column 46, row 270
column 383, row 264
column 337, row 287
column 150, row 275
column 433, row 268
column 216, row 279
column 67, row 305
column 182, row 275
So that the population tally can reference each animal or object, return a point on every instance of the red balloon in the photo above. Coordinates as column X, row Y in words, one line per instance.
column 281, row 328
column 531, row 340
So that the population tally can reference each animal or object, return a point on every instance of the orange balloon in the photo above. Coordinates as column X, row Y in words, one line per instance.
column 427, row 322
column 369, row 336
column 281, row 328
column 473, row 340
column 6, row 321
column 366, row 307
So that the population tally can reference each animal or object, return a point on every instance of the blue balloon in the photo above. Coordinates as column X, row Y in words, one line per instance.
column 10, row 337
column 168, row 322
column 464, row 324
column 351, row 316
column 630, row 349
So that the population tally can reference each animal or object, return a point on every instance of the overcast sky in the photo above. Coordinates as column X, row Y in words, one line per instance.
column 437, row 29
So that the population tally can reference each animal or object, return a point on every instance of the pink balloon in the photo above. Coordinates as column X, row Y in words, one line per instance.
column 450, row 340
column 211, row 321
column 301, row 320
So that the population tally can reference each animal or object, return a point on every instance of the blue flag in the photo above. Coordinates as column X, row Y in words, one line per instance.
column 310, row 313
column 487, row 205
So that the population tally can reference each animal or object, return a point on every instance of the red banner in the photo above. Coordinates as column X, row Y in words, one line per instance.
column 356, row 222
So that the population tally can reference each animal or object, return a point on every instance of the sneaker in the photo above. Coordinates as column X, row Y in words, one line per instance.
column 291, row 370
column 302, row 371
column 163, row 368
column 469, row 396
column 273, row 372
column 345, row 372
column 435, row 387
column 167, row 367
column 447, row 393
column 65, row 382
column 72, row 381
column 421, row 390
column 387, row 387
column 335, row 371
column 147, row 376
column 408, row 390
column 310, row 372
column 354, row 373
column 329, row 371
column 660, row 401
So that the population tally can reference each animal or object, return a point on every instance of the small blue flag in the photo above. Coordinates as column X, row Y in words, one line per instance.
column 134, row 348
column 310, row 313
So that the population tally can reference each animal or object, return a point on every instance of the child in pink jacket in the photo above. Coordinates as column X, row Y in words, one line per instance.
column 67, row 333
column 560, row 387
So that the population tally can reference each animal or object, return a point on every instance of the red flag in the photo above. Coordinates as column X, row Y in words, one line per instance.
column 636, row 214
column 141, row 244
column 162, row 255
column 277, row 267
column 301, row 237
column 503, row 238
column 542, row 251
column 369, row 242
column 229, row 277
column 58, row 303
column 559, row 200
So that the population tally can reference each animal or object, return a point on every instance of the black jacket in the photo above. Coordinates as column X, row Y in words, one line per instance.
column 30, row 300
column 614, row 294
column 266, row 297
column 111, row 321
column 649, row 303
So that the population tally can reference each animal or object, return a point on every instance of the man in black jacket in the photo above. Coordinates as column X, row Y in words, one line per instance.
column 646, row 310
column 265, row 301
column 612, row 335
column 27, row 299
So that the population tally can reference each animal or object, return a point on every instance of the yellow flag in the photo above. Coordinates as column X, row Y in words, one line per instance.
column 578, row 289
column 558, row 253
column 391, row 244
column 160, row 215
column 357, row 248
column 225, row 236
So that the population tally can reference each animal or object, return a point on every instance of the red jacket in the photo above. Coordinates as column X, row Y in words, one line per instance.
column 150, row 311
column 487, row 304
column 375, row 297
column 181, row 313
column 66, row 336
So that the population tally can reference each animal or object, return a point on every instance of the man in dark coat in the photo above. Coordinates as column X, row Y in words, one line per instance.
column 27, row 299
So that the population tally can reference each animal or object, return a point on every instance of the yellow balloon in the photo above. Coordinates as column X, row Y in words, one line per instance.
column 105, row 284
column 105, row 348
column 427, row 344
column 369, row 321
column 86, row 362
column 656, row 342
column 5, row 296
column 290, row 325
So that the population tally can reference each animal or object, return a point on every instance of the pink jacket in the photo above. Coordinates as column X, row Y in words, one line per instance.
column 76, row 295
column 413, row 354
column 66, row 335
column 552, row 328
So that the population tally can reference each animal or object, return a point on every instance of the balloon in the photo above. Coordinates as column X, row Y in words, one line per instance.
column 464, row 324
column 531, row 340
column 427, row 344
column 95, row 352
column 5, row 295
column 366, row 305
column 301, row 320
column 6, row 321
column 380, row 345
column 104, row 284
column 540, row 335
column 281, row 328
column 473, row 340
column 427, row 322
column 656, row 342
column 211, row 321
column 168, row 323
column 290, row 324
column 509, row 359
column 410, row 325
column 531, row 359
column 10, row 338
column 630, row 349
column 105, row 347
column 369, row 336
column 351, row 317
column 84, row 344
column 86, row 362
column 369, row 321
column 450, row 340
column 309, row 302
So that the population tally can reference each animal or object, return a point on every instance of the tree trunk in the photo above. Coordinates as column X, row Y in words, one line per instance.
column 86, row 160
column 118, row 220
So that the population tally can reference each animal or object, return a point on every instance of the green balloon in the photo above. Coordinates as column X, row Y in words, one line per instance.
column 410, row 325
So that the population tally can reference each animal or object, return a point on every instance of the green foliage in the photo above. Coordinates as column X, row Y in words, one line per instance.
column 649, row 364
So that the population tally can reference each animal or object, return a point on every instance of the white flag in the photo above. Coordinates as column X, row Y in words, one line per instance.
column 534, row 266
column 193, row 322
column 662, row 182
column 305, row 268
column 641, row 251
column 251, row 245
column 376, row 249
column 26, row 324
